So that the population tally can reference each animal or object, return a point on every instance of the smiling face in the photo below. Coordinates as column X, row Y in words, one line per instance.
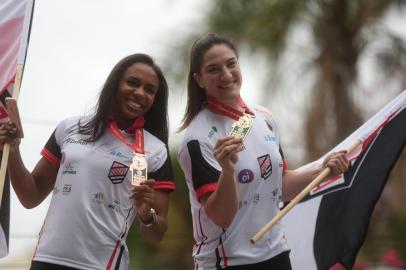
column 220, row 74
column 136, row 92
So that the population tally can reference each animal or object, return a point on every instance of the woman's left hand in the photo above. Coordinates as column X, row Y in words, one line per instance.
column 337, row 162
column 144, row 198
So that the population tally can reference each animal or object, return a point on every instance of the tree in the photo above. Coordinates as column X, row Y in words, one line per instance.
column 340, row 31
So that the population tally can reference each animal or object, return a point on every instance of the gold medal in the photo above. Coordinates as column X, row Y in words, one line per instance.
column 241, row 127
column 138, row 168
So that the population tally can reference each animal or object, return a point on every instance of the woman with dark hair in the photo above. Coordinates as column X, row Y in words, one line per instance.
column 234, row 166
column 104, row 170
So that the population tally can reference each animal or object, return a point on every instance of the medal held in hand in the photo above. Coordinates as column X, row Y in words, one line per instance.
column 139, row 169
column 139, row 165
column 241, row 127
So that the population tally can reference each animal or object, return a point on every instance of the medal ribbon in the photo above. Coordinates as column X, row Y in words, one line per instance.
column 225, row 109
column 137, row 128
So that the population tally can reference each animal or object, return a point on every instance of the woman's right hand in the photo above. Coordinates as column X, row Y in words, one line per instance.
column 8, row 134
column 226, row 151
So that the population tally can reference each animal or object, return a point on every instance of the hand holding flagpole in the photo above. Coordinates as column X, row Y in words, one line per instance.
column 6, row 147
column 298, row 198
column 28, row 5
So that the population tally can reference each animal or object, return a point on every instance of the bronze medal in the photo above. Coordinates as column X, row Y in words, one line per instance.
column 139, row 169
column 241, row 127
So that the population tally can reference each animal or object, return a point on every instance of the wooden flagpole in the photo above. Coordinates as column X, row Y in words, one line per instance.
column 298, row 198
column 6, row 147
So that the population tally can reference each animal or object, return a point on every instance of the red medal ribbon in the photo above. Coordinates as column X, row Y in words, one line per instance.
column 137, row 128
column 224, row 109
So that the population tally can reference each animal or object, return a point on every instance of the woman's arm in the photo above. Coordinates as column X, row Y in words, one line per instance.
column 222, row 204
column 31, row 188
column 153, row 225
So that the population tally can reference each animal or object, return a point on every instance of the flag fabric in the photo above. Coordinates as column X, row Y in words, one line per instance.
column 15, row 18
column 328, row 228
column 5, row 219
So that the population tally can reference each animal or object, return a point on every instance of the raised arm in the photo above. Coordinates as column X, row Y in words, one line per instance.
column 31, row 188
column 222, row 204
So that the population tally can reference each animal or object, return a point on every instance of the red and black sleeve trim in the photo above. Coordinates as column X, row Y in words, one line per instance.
column 52, row 151
column 285, row 164
column 164, row 176
column 203, row 174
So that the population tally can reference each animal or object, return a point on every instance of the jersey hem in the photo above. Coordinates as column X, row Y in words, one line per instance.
column 68, row 263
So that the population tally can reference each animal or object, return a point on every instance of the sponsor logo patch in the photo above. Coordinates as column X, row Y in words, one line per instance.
column 75, row 141
column 117, row 172
column 245, row 176
column 265, row 166
column 67, row 188
column 252, row 199
column 69, row 169
column 270, row 138
column 115, row 205
column 98, row 197
column 255, row 198
column 120, row 155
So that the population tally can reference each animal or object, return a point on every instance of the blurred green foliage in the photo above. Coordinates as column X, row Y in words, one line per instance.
column 175, row 250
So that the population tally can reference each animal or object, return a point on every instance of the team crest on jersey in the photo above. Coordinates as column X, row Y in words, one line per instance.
column 265, row 166
column 117, row 172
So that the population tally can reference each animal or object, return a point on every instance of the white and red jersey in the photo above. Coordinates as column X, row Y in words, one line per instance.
column 259, row 179
column 91, row 211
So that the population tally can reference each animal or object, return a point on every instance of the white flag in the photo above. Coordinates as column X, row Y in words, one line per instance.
column 328, row 228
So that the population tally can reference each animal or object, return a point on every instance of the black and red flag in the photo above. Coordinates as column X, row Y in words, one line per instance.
column 329, row 226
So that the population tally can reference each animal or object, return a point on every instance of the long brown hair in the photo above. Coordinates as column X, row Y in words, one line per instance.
column 156, row 119
column 196, row 94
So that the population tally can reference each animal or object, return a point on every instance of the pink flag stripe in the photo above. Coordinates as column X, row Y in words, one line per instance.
column 9, row 48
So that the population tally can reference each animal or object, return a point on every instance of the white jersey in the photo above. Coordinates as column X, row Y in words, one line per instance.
column 259, row 179
column 91, row 211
